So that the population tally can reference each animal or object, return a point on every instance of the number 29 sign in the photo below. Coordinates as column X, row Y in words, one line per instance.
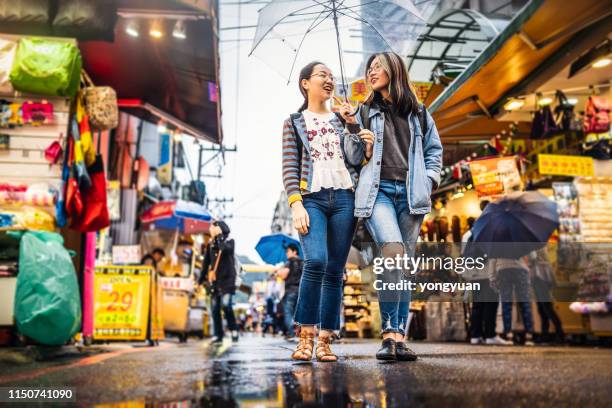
column 121, row 302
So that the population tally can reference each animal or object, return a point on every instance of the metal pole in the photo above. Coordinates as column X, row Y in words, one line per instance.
column 334, row 9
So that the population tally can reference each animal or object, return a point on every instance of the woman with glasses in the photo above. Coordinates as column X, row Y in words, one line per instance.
column 319, row 175
column 393, row 194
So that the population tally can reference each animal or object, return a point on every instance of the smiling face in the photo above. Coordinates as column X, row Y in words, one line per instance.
column 377, row 76
column 320, row 85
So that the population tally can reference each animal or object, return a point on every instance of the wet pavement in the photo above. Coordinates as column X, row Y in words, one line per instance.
column 256, row 372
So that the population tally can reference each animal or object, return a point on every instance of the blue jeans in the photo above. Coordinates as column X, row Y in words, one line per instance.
column 326, row 247
column 515, row 281
column 395, row 232
column 289, row 302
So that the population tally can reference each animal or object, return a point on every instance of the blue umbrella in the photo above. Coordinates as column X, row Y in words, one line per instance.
column 271, row 248
column 514, row 226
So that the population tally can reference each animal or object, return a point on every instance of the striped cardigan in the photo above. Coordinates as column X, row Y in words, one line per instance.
column 297, row 177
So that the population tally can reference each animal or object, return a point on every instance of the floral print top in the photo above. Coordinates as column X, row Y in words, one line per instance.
column 329, row 169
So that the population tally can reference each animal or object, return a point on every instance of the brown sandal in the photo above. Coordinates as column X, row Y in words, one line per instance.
column 324, row 353
column 303, row 351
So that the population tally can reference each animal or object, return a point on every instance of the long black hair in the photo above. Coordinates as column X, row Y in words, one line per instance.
column 401, row 92
column 306, row 73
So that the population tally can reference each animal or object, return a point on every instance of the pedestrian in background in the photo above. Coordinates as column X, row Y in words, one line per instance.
column 542, row 281
column 407, row 152
column 319, row 174
column 511, row 278
column 485, row 302
column 291, row 273
column 219, row 270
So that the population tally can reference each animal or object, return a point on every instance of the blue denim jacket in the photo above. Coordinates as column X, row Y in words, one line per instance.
column 424, row 161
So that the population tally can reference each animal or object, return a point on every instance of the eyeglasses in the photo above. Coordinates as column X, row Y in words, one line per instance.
column 374, row 68
column 324, row 76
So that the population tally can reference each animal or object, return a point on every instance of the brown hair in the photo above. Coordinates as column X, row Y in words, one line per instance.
column 401, row 92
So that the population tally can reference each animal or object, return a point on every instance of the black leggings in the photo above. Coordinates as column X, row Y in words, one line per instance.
column 547, row 312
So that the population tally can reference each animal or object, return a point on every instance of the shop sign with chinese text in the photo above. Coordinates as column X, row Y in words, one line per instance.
column 495, row 176
column 565, row 165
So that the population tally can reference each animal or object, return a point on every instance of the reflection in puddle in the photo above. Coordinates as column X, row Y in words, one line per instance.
column 231, row 384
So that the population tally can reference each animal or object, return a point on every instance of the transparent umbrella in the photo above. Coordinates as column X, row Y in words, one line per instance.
column 291, row 33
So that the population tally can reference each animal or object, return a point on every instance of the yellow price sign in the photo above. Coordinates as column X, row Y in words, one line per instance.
column 121, row 302
column 565, row 165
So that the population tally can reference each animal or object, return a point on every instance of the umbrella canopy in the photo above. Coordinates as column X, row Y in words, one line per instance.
column 515, row 225
column 271, row 248
column 185, row 216
column 289, row 31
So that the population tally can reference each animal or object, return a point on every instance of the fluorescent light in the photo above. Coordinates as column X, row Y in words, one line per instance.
column 545, row 101
column 132, row 29
column 179, row 30
column 602, row 62
column 572, row 101
column 514, row 104
column 161, row 127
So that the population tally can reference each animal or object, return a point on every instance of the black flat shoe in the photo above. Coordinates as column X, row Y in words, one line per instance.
column 403, row 353
column 387, row 351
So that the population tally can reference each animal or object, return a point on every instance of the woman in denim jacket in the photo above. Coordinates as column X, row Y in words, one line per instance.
column 394, row 190
column 319, row 160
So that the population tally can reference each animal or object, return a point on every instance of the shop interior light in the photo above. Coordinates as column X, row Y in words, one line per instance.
column 132, row 29
column 156, row 30
column 178, row 137
column 161, row 127
column 602, row 62
column 514, row 104
column 545, row 101
column 179, row 30
column 572, row 101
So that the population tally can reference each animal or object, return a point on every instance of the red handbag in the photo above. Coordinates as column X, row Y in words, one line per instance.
column 95, row 216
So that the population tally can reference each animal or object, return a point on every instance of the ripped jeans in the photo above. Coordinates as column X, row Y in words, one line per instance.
column 395, row 232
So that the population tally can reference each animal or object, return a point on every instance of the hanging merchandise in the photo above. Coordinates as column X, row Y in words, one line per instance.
column 46, row 67
column 597, row 115
column 37, row 113
column 100, row 105
column 543, row 125
column 54, row 151
column 94, row 216
column 85, row 135
column 7, row 56
column 78, row 158
column 564, row 113
column 60, row 205
column 47, row 297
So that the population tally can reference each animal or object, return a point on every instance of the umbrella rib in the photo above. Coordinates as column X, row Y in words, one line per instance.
column 312, row 26
column 368, row 24
column 293, row 13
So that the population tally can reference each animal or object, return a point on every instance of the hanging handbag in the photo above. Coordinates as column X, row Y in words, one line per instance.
column 94, row 216
column 100, row 105
column 597, row 115
column 46, row 67
column 564, row 112
column 54, row 152
column 543, row 125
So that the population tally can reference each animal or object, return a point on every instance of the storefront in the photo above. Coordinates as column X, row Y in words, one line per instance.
column 71, row 162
